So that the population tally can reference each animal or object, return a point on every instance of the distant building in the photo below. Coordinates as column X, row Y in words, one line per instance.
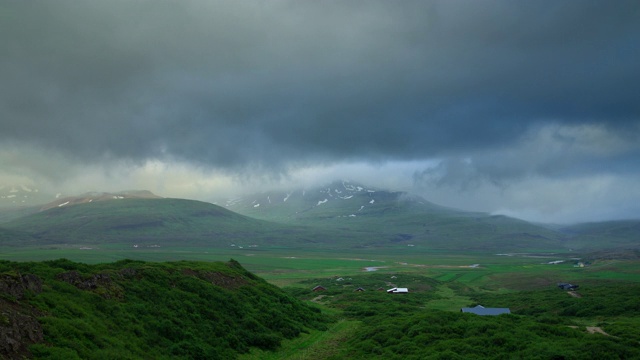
column 567, row 286
column 483, row 311
column 319, row 288
column 397, row 290
column 359, row 289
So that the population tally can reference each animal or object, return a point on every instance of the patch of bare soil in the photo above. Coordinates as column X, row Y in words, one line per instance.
column 318, row 298
column 596, row 329
column 574, row 294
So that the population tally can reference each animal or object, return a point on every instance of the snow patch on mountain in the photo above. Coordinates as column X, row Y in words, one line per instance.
column 233, row 202
column 322, row 202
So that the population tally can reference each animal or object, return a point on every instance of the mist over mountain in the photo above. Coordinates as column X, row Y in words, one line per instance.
column 22, row 196
column 339, row 199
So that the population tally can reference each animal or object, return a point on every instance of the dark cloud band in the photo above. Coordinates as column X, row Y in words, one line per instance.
column 233, row 85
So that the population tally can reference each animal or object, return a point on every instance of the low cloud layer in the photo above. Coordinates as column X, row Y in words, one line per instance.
column 488, row 100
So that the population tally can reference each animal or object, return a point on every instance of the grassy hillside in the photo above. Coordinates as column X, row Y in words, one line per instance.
column 149, row 222
column 130, row 309
column 16, row 238
column 10, row 213
column 342, row 216
column 396, row 219
column 623, row 234
column 390, row 220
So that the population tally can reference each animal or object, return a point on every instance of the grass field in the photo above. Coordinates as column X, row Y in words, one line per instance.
column 284, row 265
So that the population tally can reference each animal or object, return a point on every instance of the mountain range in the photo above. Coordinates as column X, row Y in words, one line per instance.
column 339, row 215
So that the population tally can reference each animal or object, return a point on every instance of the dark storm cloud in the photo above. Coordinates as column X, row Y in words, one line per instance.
column 552, row 151
column 234, row 84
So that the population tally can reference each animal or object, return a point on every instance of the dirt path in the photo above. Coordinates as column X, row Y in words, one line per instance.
column 592, row 330
column 574, row 294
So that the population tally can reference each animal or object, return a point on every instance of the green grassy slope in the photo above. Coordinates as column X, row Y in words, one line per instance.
column 131, row 309
column 623, row 234
column 396, row 218
column 146, row 221
column 343, row 215
column 15, row 238
column 389, row 220
column 10, row 213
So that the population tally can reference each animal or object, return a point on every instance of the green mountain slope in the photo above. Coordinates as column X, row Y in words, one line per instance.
column 396, row 218
column 136, row 310
column 145, row 222
column 161, row 222
column 339, row 216
column 15, row 238
column 337, row 200
column 10, row 213
column 623, row 234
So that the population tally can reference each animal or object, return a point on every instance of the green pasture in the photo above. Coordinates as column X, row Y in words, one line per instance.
column 283, row 265
column 448, row 300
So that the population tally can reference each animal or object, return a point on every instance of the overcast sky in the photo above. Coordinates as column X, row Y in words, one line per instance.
column 524, row 108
